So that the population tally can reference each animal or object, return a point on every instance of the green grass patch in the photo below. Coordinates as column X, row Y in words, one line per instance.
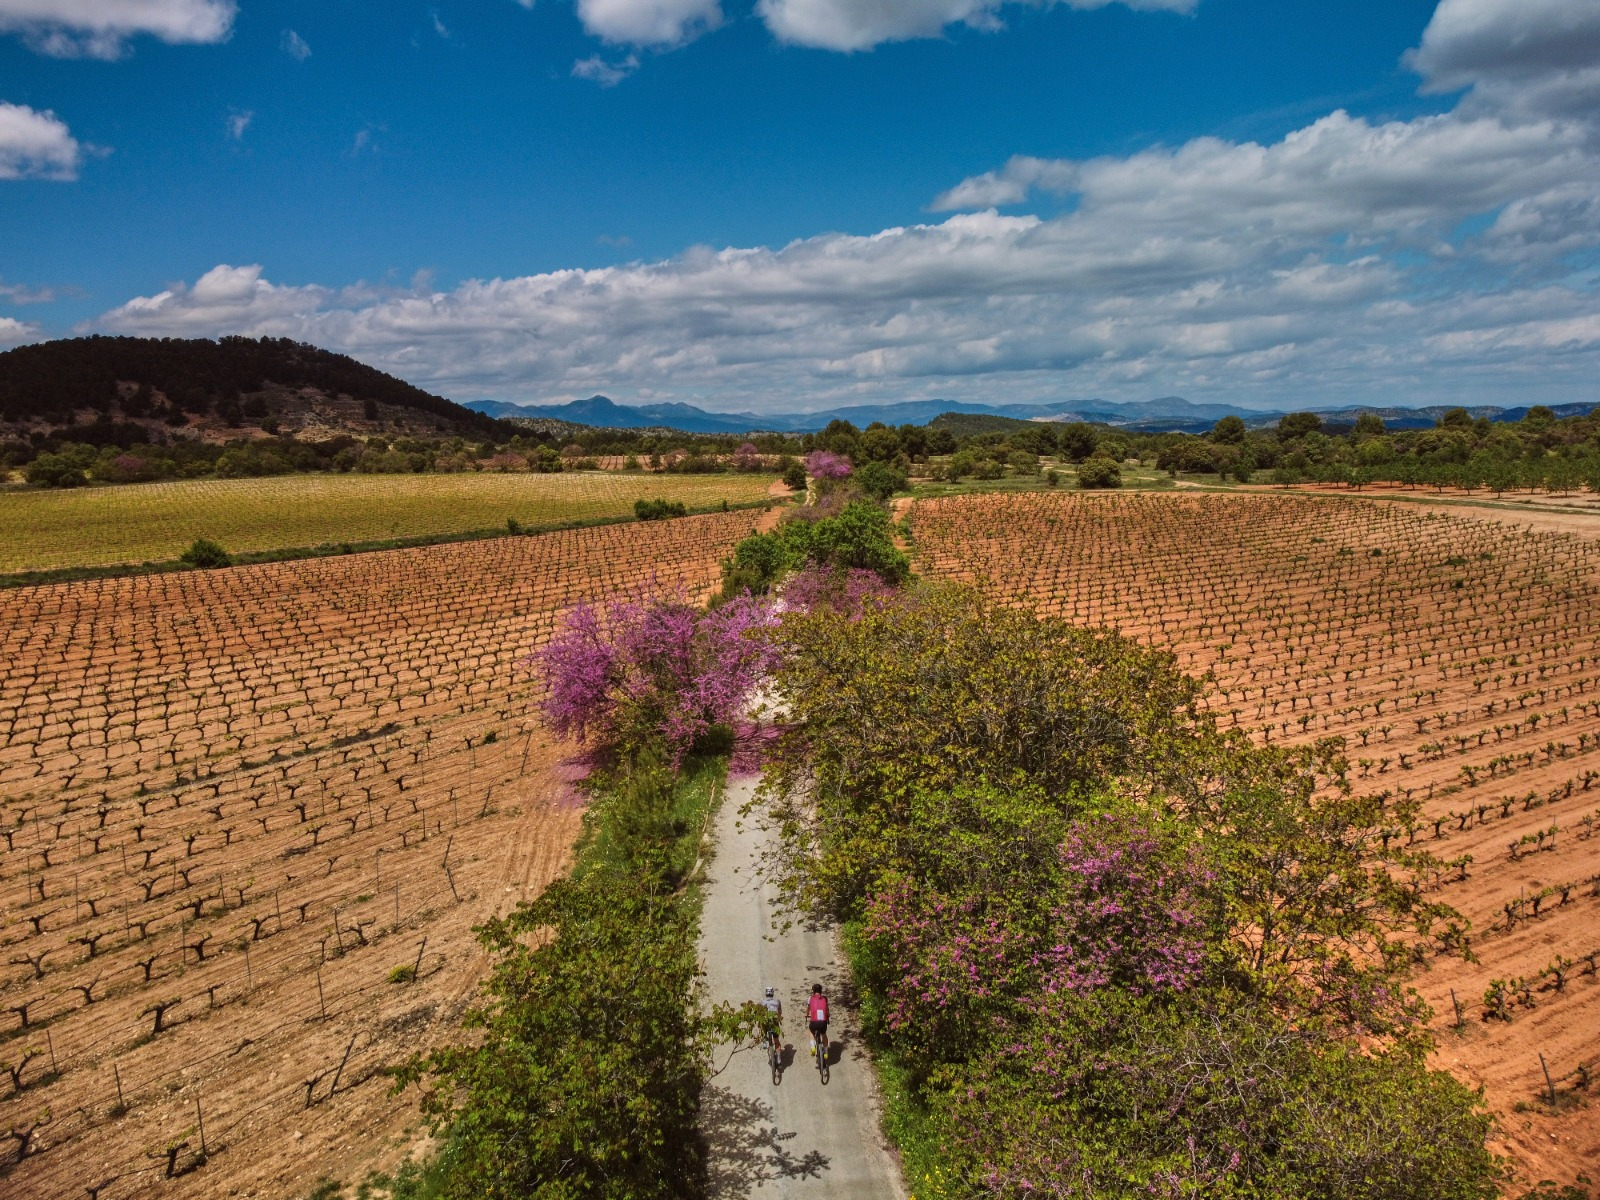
column 332, row 550
column 153, row 523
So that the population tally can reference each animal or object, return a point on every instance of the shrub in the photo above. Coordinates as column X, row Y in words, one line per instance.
column 205, row 554
column 794, row 475
column 54, row 471
column 657, row 510
column 757, row 563
column 880, row 480
column 858, row 537
column 1098, row 472
column 962, row 463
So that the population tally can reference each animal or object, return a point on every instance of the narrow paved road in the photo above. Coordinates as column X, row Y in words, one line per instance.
column 796, row 1138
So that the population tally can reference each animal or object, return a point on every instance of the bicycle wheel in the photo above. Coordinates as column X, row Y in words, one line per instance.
column 775, row 1055
column 822, row 1059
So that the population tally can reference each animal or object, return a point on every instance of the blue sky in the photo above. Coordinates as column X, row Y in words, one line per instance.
column 795, row 204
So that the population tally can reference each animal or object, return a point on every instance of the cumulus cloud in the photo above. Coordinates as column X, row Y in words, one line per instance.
column 658, row 23
column 861, row 24
column 1522, row 58
column 238, row 122
column 101, row 28
column 14, row 332
column 1339, row 174
column 1402, row 261
column 36, row 145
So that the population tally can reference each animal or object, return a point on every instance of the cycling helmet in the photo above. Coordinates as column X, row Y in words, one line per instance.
column 770, row 991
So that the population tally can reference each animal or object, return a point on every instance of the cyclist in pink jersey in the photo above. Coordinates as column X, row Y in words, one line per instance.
column 817, row 1015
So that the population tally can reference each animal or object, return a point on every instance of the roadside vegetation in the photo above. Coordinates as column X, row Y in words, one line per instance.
column 591, row 1044
column 1106, row 949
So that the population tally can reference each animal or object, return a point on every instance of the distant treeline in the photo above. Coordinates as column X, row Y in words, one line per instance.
column 1539, row 451
column 124, row 444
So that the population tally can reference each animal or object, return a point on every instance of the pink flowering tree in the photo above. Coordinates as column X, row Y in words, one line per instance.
column 747, row 458
column 1118, row 907
column 825, row 464
column 653, row 668
column 849, row 590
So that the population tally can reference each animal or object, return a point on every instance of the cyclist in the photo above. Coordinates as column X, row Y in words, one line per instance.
column 817, row 1016
column 775, row 1007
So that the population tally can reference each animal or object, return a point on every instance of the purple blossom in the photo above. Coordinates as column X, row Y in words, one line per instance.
column 659, row 664
column 825, row 464
column 846, row 590
column 1125, row 913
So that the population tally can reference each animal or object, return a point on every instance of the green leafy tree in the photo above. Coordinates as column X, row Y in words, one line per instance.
column 1297, row 425
column 880, row 480
column 1369, row 425
column 1098, row 472
column 1229, row 431
column 1077, row 440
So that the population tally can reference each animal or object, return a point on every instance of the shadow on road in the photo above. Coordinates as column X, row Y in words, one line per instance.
column 750, row 1147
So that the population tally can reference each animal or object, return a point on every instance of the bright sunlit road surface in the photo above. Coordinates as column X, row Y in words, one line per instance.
column 797, row 1138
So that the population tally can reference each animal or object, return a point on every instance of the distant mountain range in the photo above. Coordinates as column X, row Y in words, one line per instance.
column 1166, row 414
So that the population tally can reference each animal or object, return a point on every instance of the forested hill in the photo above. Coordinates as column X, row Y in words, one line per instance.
column 228, row 382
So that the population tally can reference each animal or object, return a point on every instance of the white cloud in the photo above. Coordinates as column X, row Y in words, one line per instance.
column 1339, row 174
column 294, row 46
column 36, row 145
column 16, row 293
column 662, row 23
column 238, row 122
column 1523, row 58
column 862, row 24
column 14, row 332
column 1443, row 258
column 100, row 28
column 597, row 70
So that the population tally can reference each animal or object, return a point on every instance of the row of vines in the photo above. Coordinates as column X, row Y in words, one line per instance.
column 1457, row 662
column 250, row 819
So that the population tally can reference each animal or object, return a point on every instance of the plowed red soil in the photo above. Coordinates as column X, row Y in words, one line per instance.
column 1460, row 660
column 257, row 793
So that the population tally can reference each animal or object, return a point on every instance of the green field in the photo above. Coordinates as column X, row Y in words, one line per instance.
column 134, row 523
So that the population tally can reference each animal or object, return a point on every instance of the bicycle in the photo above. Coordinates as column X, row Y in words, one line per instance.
column 775, row 1057
column 822, row 1057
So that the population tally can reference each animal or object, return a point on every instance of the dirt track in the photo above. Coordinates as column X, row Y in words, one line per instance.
column 796, row 1138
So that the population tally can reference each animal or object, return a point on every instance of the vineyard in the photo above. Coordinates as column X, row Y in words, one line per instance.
column 250, row 819
column 41, row 530
column 1460, row 662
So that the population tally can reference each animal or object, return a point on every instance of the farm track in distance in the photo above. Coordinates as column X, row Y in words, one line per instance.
column 1460, row 660
column 257, row 791
column 138, row 522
